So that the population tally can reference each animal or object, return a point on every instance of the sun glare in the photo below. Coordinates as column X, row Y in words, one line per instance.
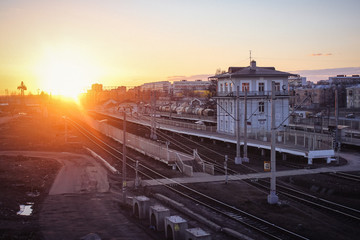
column 66, row 72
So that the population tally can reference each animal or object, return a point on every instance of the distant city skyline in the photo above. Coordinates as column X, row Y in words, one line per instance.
column 65, row 46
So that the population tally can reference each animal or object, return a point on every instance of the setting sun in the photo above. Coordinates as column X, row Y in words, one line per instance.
column 66, row 72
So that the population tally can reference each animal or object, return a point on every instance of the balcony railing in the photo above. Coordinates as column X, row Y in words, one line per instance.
column 252, row 93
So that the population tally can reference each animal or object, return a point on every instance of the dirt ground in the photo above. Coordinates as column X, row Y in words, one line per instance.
column 23, row 180
column 29, row 180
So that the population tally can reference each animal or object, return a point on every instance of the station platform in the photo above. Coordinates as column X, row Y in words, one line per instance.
column 291, row 149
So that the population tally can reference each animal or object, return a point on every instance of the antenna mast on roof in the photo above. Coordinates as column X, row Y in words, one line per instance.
column 250, row 55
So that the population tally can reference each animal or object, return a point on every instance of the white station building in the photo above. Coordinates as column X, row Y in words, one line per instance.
column 258, row 82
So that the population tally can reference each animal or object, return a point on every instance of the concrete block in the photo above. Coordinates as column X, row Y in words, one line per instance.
column 238, row 160
column 157, row 215
column 129, row 201
column 175, row 226
column 141, row 206
column 196, row 234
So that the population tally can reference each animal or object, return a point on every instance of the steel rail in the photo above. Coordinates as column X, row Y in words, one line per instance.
column 236, row 214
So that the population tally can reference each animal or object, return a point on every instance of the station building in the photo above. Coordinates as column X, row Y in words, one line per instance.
column 258, row 82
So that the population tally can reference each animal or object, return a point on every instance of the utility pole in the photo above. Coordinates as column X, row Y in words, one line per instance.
column 124, row 160
column 272, row 197
column 337, row 137
column 167, row 151
column 66, row 129
column 225, row 168
column 153, row 112
column 245, row 158
column 136, row 174
column 22, row 88
column 238, row 158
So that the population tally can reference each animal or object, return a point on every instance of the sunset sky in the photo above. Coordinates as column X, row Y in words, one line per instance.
column 64, row 46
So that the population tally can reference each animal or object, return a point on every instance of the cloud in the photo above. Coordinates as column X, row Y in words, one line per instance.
column 320, row 54
column 203, row 77
column 324, row 74
column 171, row 77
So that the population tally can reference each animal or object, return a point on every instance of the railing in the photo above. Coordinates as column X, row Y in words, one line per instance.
column 184, row 168
column 151, row 148
column 292, row 138
column 206, row 167
column 325, row 121
column 252, row 93
column 187, row 116
column 186, row 125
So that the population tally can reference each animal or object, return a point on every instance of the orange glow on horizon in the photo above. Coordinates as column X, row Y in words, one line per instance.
column 66, row 71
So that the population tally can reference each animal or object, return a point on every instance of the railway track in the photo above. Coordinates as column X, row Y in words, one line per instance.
column 258, row 224
column 181, row 143
column 316, row 202
column 268, row 229
column 344, row 175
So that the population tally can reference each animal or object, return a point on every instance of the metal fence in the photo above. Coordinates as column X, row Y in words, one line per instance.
column 186, row 125
column 296, row 139
column 252, row 93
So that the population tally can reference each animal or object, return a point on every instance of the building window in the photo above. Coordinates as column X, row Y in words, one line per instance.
column 350, row 93
column 277, row 86
column 231, row 108
column 261, row 87
column 221, row 87
column 245, row 86
column 261, row 107
column 226, row 87
column 231, row 87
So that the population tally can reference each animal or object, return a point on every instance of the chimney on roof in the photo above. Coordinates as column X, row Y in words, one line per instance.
column 253, row 65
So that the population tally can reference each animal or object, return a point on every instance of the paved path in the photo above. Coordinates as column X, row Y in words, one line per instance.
column 352, row 158
column 79, row 202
